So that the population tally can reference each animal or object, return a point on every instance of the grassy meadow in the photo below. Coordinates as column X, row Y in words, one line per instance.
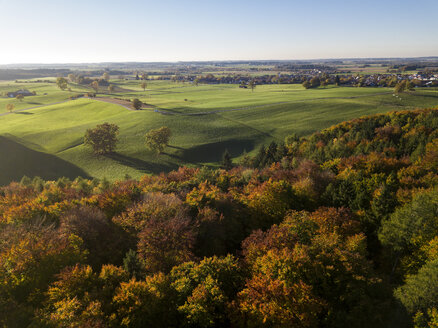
column 205, row 120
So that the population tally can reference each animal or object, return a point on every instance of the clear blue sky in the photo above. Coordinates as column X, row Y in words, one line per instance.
column 61, row 31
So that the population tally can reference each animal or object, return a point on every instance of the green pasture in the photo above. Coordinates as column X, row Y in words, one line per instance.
column 46, row 93
column 204, row 120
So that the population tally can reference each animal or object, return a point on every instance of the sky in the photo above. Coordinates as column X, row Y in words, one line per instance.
column 91, row 31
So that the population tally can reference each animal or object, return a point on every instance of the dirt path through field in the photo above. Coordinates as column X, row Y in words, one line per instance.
column 124, row 103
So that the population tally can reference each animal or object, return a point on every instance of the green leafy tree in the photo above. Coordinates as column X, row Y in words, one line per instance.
column 136, row 104
column 134, row 265
column 226, row 163
column 103, row 138
column 400, row 87
column 410, row 228
column 307, row 85
column 61, row 83
column 420, row 292
column 315, row 82
column 403, row 86
column 158, row 139
column 252, row 85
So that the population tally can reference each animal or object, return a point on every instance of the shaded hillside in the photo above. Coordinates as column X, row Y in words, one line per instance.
column 19, row 160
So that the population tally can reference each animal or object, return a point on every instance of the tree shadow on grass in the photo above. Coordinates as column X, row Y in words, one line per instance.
column 213, row 152
column 175, row 147
column 141, row 165
column 17, row 160
column 24, row 113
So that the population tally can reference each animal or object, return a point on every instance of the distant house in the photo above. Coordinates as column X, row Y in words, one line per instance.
column 22, row 92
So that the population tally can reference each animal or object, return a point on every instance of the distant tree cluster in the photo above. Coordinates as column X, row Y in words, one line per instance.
column 314, row 82
column 403, row 86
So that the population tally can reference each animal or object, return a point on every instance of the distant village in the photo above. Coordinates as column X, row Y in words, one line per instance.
column 419, row 79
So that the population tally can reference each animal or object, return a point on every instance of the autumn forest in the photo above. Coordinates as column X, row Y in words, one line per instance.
column 338, row 229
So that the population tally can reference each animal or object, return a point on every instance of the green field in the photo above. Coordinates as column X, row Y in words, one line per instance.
column 205, row 120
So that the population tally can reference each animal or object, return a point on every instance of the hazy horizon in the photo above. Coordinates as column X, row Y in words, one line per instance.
column 52, row 32
column 213, row 60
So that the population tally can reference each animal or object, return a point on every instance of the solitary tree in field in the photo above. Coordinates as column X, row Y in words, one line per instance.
column 143, row 85
column 403, row 86
column 227, row 163
column 106, row 76
column 136, row 104
column 102, row 138
column 61, row 83
column 306, row 84
column 19, row 97
column 158, row 139
column 110, row 88
column 95, row 85
column 10, row 107
column 252, row 85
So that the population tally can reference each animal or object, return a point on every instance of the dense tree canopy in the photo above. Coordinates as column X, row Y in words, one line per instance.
column 338, row 229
